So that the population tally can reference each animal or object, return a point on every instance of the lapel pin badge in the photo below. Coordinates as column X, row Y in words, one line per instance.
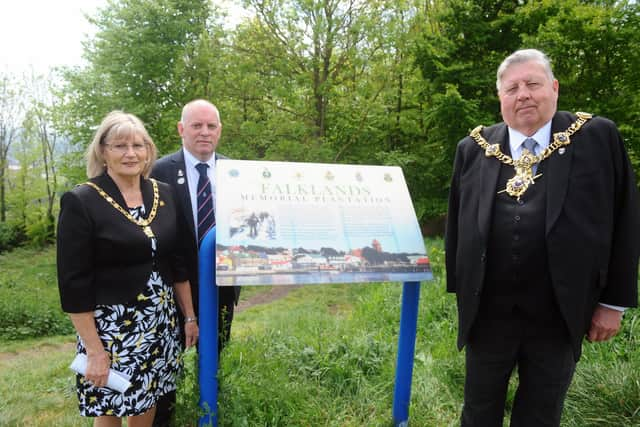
column 561, row 150
column 180, row 176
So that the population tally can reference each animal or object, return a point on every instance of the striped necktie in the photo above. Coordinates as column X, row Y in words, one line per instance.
column 206, row 217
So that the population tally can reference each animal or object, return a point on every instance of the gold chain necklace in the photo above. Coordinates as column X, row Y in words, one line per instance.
column 524, row 177
column 144, row 223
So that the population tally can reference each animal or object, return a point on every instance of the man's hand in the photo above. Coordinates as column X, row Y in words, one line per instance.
column 605, row 323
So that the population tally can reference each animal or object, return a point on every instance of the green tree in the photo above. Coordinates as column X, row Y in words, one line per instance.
column 25, row 196
column 39, row 130
column 11, row 110
column 458, row 56
column 141, row 60
column 261, row 102
column 591, row 44
column 302, row 53
column 593, row 49
column 473, row 37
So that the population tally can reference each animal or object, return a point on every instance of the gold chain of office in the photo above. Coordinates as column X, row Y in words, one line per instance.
column 144, row 223
column 524, row 176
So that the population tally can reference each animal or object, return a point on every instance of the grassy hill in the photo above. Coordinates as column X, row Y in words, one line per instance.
column 324, row 355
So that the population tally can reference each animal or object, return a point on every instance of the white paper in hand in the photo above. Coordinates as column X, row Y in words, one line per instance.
column 117, row 380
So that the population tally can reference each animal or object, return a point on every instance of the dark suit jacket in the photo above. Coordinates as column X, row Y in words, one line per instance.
column 104, row 258
column 592, row 223
column 169, row 169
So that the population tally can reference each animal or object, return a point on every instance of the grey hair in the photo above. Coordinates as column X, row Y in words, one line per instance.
column 524, row 55
column 117, row 125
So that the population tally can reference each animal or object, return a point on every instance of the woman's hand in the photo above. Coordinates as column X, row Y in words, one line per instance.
column 98, row 364
column 98, row 360
column 191, row 333
column 183, row 295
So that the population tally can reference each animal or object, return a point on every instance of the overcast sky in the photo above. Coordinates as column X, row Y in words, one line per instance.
column 43, row 33
column 47, row 33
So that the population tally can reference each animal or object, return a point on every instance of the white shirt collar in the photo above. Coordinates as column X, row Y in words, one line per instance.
column 542, row 137
column 191, row 161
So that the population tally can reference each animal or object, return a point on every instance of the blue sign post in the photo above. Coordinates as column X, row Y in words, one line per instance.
column 406, row 352
column 208, row 322
column 208, row 347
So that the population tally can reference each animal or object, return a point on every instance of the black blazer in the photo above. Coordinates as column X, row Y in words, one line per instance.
column 592, row 223
column 172, row 170
column 104, row 258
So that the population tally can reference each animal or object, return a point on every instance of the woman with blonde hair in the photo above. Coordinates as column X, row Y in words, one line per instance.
column 119, row 265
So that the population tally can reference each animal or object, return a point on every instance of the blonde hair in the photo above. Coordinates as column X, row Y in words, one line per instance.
column 117, row 125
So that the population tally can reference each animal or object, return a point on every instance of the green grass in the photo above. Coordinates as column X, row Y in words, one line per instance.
column 29, row 301
column 325, row 356
column 37, row 386
column 308, row 364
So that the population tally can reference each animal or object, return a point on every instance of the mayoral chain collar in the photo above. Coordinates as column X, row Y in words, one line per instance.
column 524, row 177
column 145, row 224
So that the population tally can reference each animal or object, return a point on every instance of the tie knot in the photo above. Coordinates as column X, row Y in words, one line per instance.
column 202, row 168
column 530, row 144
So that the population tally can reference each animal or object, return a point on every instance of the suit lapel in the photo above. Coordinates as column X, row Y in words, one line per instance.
column 181, row 184
column 105, row 182
column 557, row 169
column 489, row 171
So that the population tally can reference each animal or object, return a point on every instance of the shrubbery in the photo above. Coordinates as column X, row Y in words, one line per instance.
column 11, row 235
column 41, row 232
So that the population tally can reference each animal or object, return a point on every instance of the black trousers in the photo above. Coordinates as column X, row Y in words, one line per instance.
column 542, row 354
column 166, row 404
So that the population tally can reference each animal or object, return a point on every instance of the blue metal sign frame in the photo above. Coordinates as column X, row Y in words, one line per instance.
column 208, row 347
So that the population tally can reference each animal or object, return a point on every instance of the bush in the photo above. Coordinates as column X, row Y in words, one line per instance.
column 11, row 235
column 41, row 233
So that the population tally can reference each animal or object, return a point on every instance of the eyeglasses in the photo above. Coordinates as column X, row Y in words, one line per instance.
column 122, row 148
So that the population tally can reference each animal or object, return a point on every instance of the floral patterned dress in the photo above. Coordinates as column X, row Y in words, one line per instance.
column 142, row 338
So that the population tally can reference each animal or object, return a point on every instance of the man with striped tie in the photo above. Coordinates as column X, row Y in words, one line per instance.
column 191, row 173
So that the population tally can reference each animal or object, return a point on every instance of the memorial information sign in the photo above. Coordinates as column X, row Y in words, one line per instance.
column 281, row 223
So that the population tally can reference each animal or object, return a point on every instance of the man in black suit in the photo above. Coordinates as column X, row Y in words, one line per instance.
column 200, row 129
column 542, row 244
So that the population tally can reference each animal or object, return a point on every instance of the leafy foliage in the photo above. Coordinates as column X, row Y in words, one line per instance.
column 11, row 235
column 395, row 82
column 139, row 60
column 592, row 45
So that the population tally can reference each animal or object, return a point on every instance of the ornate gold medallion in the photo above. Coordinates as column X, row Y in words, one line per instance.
column 524, row 177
